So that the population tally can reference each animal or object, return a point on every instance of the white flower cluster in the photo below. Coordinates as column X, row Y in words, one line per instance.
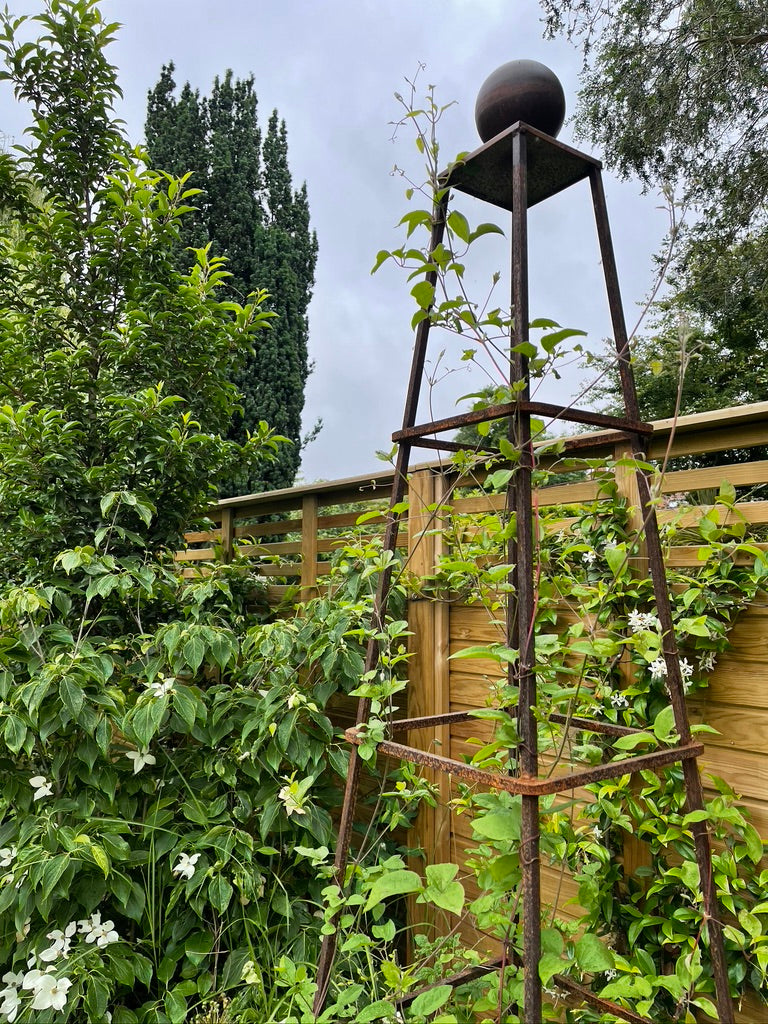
column 589, row 557
column 619, row 700
column 706, row 664
column 639, row 621
column 49, row 992
column 48, row 988
column 95, row 930
column 658, row 669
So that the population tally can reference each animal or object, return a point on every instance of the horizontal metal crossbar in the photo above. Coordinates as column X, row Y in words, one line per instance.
column 572, row 722
column 526, row 785
column 480, row 970
column 497, row 412
column 571, row 444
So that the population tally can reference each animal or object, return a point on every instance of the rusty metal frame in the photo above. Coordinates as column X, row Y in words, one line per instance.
column 499, row 172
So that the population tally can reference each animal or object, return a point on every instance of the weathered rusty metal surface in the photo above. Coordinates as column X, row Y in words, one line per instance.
column 675, row 683
column 570, row 444
column 520, row 90
column 561, row 980
column 519, row 168
column 562, row 413
column 552, row 166
column 529, row 785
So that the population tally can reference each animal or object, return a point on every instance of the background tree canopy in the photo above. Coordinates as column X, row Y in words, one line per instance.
column 250, row 212
column 673, row 91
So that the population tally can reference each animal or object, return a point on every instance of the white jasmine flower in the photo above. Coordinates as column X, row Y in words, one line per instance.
column 51, row 993
column 638, row 621
column 7, row 856
column 162, row 687
column 589, row 557
column 707, row 661
column 610, row 974
column 686, row 670
column 140, row 758
column 658, row 669
column 635, row 620
column 185, row 866
column 41, row 786
column 619, row 700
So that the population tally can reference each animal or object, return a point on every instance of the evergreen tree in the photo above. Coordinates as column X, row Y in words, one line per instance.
column 250, row 211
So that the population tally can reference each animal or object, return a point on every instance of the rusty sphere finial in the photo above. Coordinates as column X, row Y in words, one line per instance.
column 520, row 90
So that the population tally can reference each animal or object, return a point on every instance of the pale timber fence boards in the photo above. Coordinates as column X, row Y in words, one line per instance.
column 295, row 531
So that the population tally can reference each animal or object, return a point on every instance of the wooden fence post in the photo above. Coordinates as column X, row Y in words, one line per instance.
column 428, row 673
column 309, row 506
column 227, row 533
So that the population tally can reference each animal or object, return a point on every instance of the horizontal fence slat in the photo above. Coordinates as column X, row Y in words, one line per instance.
column 739, row 474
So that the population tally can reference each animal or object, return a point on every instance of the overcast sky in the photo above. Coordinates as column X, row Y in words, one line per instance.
column 331, row 68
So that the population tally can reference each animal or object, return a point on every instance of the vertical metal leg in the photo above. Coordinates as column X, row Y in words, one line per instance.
column 693, row 789
column 521, row 632
column 329, row 943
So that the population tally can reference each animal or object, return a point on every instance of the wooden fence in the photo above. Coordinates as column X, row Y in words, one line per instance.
column 295, row 531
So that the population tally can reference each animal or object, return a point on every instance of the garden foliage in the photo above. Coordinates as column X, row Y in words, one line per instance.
column 170, row 767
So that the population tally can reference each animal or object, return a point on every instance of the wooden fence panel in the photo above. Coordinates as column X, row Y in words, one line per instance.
column 296, row 531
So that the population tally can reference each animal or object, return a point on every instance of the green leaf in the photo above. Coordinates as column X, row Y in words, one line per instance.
column 593, row 955
column 146, row 718
column 550, row 965
column 14, row 733
column 500, row 825
column 52, row 872
column 99, row 854
column 633, row 740
column 753, row 842
column 397, row 882
column 176, row 1007
column 431, row 1000
column 616, row 557
column 219, row 893
column 96, row 997
column 72, row 696
column 424, row 293
column 441, row 889
column 664, row 725
column 185, row 704
column 485, row 229
column 194, row 652
column 198, row 946
column 457, row 223
column 382, row 1009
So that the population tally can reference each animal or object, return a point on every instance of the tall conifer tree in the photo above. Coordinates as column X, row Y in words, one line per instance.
column 251, row 213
